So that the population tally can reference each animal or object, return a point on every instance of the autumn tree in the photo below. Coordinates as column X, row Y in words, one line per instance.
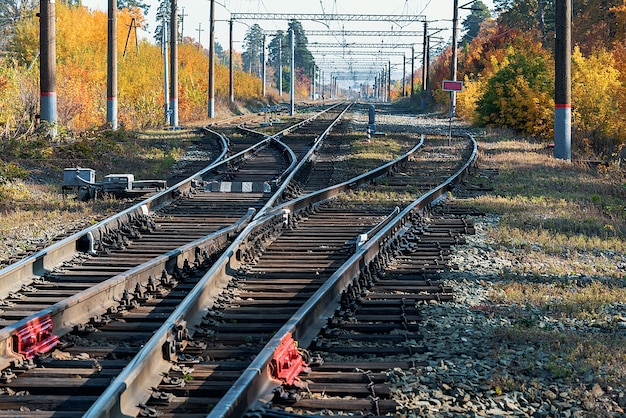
column 12, row 11
column 596, row 94
column 595, row 24
column 471, row 24
column 528, row 16
column 520, row 93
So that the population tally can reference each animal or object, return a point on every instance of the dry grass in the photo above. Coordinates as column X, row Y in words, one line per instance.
column 32, row 208
column 563, row 227
column 556, row 218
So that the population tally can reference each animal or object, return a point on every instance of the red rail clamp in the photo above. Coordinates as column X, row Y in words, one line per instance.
column 35, row 337
column 287, row 362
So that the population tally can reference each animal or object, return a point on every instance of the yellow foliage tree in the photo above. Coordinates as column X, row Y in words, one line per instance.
column 597, row 99
column 82, row 73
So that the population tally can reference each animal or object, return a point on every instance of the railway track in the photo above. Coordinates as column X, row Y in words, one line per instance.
column 159, row 322
column 118, row 252
column 272, row 278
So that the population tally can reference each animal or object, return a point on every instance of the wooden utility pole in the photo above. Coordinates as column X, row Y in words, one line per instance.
column 48, row 71
column 131, row 27
column 112, row 66
column 182, row 17
column 174, row 63
column 563, row 81
column 199, row 30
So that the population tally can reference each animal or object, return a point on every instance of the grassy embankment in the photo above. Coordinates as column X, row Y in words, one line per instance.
column 563, row 227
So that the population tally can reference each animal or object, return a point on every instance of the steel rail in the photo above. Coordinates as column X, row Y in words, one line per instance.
column 276, row 139
column 330, row 192
column 307, row 322
column 73, row 311
column 130, row 387
column 94, row 301
column 314, row 149
column 14, row 276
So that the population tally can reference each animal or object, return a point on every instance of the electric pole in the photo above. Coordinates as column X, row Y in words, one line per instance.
column 389, row 83
column 412, row 70
column 231, row 82
column 455, row 24
column 425, row 58
column 48, row 71
column 562, row 81
column 112, row 66
column 280, row 65
column 292, row 45
column 174, row 64
column 263, row 91
column 199, row 30
column 166, row 104
column 212, row 61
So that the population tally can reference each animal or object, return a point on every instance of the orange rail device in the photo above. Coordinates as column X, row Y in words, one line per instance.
column 287, row 362
column 35, row 337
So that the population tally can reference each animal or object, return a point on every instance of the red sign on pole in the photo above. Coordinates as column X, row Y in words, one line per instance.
column 450, row 85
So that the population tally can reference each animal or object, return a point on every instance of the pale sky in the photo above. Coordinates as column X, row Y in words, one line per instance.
column 437, row 12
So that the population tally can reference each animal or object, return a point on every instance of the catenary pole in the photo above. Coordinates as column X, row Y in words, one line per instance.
column 112, row 65
column 174, row 64
column 412, row 70
column 166, row 90
column 389, row 83
column 425, row 59
column 280, row 65
column 263, row 68
column 314, row 76
column 455, row 24
column 404, row 76
column 48, row 71
column 231, row 68
column 562, row 81
column 292, row 75
column 212, row 61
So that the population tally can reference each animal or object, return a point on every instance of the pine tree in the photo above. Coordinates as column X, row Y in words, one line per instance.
column 471, row 24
